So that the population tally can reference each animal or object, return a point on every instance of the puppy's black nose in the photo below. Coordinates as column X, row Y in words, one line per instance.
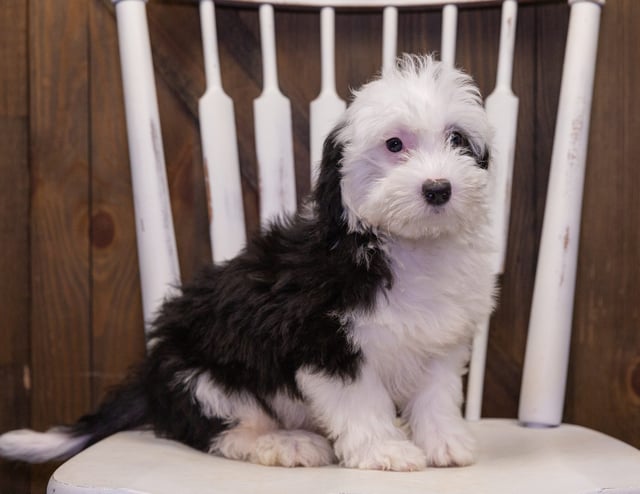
column 436, row 192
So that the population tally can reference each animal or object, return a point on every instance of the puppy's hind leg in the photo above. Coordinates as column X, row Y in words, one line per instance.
column 257, row 438
column 294, row 443
column 254, row 435
column 292, row 448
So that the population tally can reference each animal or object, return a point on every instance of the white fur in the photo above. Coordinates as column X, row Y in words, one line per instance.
column 360, row 417
column 421, row 104
column 292, row 448
column 37, row 447
column 258, row 438
column 433, row 413
column 239, row 442
column 215, row 402
column 255, row 435
column 416, row 339
column 292, row 414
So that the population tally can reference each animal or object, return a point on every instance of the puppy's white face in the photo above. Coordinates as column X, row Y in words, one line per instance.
column 415, row 153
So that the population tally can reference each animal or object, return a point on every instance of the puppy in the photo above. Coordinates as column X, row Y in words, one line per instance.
column 343, row 331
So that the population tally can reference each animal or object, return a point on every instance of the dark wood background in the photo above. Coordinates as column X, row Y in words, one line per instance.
column 70, row 307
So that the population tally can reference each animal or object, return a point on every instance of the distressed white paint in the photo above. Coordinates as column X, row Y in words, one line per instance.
column 555, row 281
column 389, row 37
column 326, row 109
column 157, row 253
column 220, row 150
column 547, row 354
column 449, row 34
column 273, row 131
column 370, row 4
column 566, row 460
column 502, row 111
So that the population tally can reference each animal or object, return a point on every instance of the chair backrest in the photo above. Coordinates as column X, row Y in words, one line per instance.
column 543, row 386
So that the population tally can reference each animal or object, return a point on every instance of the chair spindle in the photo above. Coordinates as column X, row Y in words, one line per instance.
column 273, row 131
column 219, row 149
column 449, row 33
column 547, row 355
column 157, row 252
column 389, row 37
column 502, row 111
column 327, row 108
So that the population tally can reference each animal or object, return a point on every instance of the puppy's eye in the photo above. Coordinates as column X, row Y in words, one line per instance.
column 394, row 145
column 457, row 140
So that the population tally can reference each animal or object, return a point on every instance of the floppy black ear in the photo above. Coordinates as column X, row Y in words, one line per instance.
column 327, row 193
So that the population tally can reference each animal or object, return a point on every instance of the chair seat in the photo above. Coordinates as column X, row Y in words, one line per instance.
column 512, row 459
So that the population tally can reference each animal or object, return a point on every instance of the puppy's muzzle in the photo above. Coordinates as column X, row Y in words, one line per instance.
column 436, row 192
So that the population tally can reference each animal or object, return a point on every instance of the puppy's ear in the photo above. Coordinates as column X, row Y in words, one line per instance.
column 483, row 160
column 327, row 192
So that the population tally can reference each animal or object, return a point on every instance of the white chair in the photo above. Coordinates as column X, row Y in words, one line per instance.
column 534, row 454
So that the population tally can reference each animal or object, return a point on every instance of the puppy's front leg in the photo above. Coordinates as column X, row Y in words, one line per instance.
column 434, row 414
column 359, row 416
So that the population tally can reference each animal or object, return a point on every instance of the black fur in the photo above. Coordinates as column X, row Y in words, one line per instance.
column 483, row 161
column 463, row 143
column 253, row 321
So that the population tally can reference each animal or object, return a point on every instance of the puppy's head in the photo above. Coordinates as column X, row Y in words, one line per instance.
column 414, row 153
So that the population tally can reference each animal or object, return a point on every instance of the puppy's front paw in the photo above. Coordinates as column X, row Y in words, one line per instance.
column 452, row 449
column 397, row 455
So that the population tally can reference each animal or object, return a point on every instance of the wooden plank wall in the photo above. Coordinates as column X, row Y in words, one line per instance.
column 69, row 295
column 15, row 386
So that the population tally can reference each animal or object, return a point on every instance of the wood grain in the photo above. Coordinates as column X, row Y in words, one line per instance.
column 183, row 153
column 117, row 337
column 14, row 233
column 478, row 42
column 60, row 257
column 239, row 45
column 603, row 392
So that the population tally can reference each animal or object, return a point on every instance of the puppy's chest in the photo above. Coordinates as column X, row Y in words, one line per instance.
column 438, row 295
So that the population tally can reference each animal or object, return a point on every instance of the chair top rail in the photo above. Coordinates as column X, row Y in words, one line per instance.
column 369, row 4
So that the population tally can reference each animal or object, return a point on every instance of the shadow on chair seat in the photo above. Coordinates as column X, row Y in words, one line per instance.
column 512, row 459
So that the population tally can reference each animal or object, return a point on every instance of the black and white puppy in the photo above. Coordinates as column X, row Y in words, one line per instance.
column 341, row 332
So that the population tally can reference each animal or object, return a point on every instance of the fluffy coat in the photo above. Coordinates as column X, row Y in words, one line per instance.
column 343, row 331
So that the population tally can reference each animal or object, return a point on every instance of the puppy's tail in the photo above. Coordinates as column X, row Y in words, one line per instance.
column 125, row 407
